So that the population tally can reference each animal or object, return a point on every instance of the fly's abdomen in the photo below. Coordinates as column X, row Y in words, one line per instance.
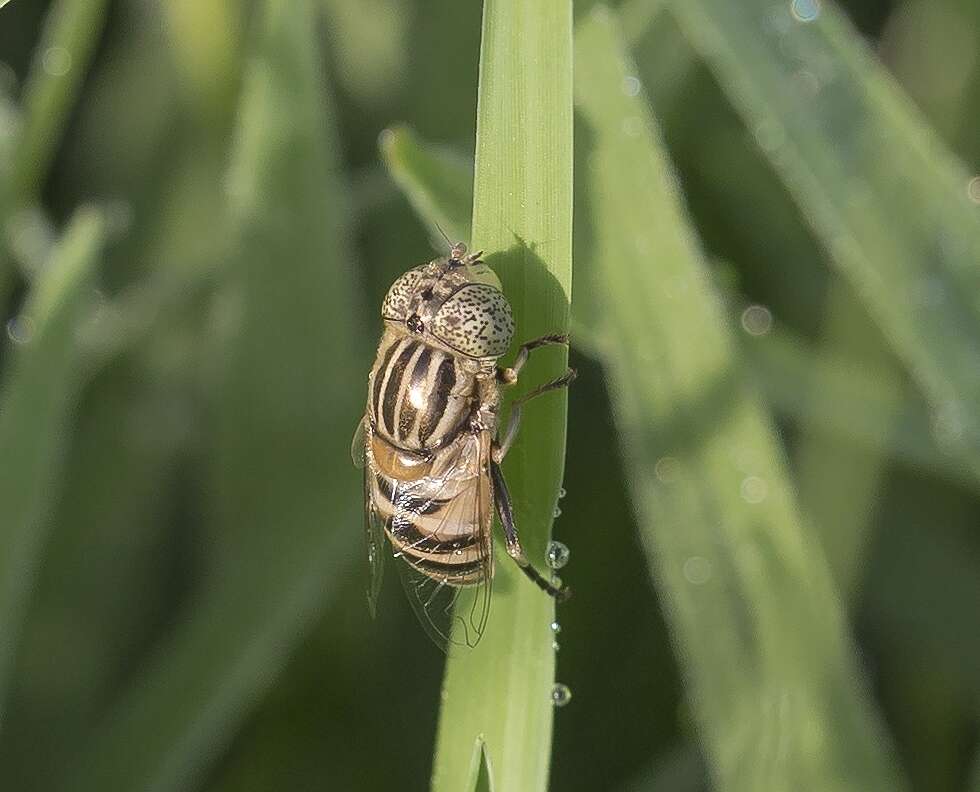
column 436, row 524
column 420, row 396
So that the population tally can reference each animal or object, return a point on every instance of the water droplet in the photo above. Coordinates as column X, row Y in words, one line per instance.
column 754, row 489
column 20, row 329
column 805, row 10
column 561, row 493
column 557, row 512
column 56, row 61
column 697, row 570
column 558, row 555
column 554, row 646
column 973, row 189
column 555, row 627
column 757, row 320
column 560, row 694
column 631, row 86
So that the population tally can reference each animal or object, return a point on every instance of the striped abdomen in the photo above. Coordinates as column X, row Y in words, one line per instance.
column 420, row 396
column 437, row 512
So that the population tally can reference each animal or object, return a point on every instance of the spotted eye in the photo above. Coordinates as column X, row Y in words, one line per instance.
column 476, row 321
column 396, row 302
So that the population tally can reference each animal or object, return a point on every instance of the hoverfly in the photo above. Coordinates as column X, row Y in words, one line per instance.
column 429, row 443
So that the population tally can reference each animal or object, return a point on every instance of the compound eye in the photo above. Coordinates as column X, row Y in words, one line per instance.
column 397, row 301
column 476, row 321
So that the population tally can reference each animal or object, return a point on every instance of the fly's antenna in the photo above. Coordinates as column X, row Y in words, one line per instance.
column 444, row 235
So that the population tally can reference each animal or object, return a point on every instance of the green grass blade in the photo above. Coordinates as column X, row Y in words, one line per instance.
column 853, row 397
column 61, row 58
column 771, row 674
column 71, row 31
column 35, row 403
column 285, row 498
column 884, row 196
column 499, row 693
column 839, row 481
column 438, row 182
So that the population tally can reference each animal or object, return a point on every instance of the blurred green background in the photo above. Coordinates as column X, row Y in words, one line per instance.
column 181, row 548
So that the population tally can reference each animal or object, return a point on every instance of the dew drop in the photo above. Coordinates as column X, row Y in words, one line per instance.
column 20, row 329
column 631, row 86
column 805, row 10
column 561, row 493
column 757, row 320
column 555, row 627
column 558, row 555
column 754, row 489
column 560, row 694
column 56, row 61
column 697, row 570
column 554, row 646
column 973, row 189
column 557, row 512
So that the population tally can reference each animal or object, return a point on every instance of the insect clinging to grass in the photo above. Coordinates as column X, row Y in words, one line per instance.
column 430, row 446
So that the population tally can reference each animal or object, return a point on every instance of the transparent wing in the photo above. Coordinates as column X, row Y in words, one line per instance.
column 441, row 529
column 357, row 445
column 373, row 522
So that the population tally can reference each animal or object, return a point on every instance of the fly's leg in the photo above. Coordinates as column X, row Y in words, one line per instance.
column 515, row 550
column 514, row 421
column 508, row 376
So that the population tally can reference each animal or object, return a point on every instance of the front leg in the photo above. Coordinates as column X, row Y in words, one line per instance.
column 508, row 376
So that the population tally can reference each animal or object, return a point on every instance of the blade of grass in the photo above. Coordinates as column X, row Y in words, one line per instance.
column 438, row 182
column 499, row 695
column 839, row 481
column 35, row 403
column 284, row 493
column 771, row 674
column 789, row 374
column 888, row 201
column 71, row 31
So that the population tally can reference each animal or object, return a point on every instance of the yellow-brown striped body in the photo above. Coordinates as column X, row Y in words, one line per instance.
column 421, row 396
column 435, row 511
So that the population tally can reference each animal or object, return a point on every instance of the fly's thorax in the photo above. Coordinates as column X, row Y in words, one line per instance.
column 421, row 396
column 456, row 306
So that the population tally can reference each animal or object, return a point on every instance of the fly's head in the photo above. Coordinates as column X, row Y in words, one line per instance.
column 457, row 301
